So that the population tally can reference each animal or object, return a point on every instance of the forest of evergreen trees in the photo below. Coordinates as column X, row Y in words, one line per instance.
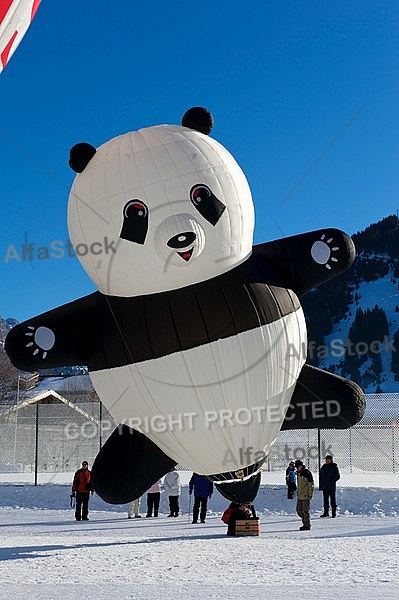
column 377, row 249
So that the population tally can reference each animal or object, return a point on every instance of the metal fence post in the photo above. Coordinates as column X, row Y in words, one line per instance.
column 37, row 442
column 393, row 449
column 318, row 449
column 350, row 450
column 101, row 424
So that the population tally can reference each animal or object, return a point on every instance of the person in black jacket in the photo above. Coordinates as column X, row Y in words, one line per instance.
column 328, row 477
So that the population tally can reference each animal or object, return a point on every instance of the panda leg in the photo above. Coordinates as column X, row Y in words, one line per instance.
column 324, row 400
column 127, row 466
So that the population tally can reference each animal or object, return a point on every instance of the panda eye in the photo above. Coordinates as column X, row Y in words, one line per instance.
column 199, row 193
column 135, row 222
column 135, row 209
column 205, row 201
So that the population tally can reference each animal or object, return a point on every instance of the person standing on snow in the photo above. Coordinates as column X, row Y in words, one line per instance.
column 171, row 484
column 328, row 477
column 203, row 489
column 134, row 509
column 290, row 480
column 81, row 488
column 153, row 498
column 304, row 494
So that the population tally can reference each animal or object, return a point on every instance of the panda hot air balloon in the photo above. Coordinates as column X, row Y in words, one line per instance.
column 194, row 340
column 15, row 18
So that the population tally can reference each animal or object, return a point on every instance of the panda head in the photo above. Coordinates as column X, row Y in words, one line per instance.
column 159, row 208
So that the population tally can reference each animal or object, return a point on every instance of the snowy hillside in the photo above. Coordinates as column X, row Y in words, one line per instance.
column 383, row 293
column 353, row 320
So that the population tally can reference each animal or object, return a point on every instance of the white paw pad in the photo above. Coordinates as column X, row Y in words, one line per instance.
column 322, row 251
column 43, row 339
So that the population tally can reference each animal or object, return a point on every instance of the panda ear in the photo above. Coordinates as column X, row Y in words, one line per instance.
column 198, row 118
column 80, row 155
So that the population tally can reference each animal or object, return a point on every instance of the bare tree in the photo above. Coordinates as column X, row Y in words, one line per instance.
column 8, row 378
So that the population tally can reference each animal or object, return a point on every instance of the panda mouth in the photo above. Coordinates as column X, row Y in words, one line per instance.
column 187, row 254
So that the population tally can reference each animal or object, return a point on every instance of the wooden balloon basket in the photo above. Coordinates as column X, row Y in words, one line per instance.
column 248, row 526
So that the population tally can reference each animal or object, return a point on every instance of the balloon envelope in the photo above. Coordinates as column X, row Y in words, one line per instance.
column 15, row 18
column 195, row 340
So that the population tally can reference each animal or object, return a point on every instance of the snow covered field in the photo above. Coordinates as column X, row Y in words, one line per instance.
column 45, row 554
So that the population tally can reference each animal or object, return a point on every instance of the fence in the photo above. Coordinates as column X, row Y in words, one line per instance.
column 55, row 438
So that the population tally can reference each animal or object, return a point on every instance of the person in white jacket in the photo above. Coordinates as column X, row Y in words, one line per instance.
column 172, row 487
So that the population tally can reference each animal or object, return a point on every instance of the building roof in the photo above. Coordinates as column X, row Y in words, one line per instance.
column 39, row 398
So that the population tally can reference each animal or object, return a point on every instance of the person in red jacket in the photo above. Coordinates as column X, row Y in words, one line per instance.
column 81, row 488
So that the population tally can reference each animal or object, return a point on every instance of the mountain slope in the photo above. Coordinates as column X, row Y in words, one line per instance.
column 353, row 320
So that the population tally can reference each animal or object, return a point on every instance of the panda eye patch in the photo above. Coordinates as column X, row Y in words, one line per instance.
column 205, row 201
column 135, row 222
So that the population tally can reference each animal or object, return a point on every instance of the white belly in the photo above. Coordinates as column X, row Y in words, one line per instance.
column 212, row 408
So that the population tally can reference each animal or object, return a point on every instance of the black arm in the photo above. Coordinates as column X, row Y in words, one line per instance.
column 307, row 260
column 60, row 337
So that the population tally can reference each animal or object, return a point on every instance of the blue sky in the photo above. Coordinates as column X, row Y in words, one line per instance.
column 282, row 79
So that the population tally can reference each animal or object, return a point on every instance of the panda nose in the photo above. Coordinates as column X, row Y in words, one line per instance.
column 181, row 240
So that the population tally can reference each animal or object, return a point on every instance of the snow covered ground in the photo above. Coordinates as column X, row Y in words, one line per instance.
column 45, row 554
